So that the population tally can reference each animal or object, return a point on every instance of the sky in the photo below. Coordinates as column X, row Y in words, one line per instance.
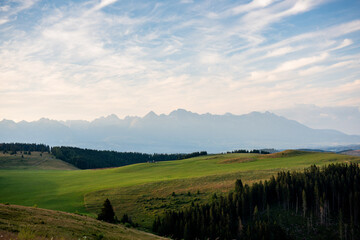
column 84, row 59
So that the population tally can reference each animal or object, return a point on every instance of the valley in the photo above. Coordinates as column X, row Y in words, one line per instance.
column 183, row 120
column 145, row 190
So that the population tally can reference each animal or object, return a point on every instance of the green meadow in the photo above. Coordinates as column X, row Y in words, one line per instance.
column 144, row 190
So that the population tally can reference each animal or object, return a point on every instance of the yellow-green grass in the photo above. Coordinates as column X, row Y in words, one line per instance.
column 133, row 189
column 19, row 222
column 36, row 160
column 143, row 202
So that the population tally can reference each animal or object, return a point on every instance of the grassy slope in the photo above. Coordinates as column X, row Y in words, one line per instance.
column 36, row 160
column 18, row 222
column 143, row 190
column 154, row 198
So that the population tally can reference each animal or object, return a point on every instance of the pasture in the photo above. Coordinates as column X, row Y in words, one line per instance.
column 35, row 160
column 146, row 189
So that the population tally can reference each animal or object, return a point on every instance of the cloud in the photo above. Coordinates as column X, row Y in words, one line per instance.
column 323, row 68
column 277, row 74
column 314, row 38
column 4, row 20
column 209, row 58
column 250, row 6
column 258, row 19
column 346, row 42
column 186, row 1
column 102, row 4
column 299, row 63
column 82, row 60
column 13, row 8
column 280, row 51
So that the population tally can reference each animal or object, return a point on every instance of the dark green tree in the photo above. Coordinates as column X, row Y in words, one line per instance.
column 327, row 193
column 304, row 202
column 107, row 213
column 239, row 186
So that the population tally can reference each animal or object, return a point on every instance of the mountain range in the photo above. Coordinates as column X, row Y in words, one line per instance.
column 343, row 118
column 179, row 131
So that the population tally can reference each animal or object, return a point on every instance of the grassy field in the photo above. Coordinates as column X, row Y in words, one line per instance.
column 144, row 190
column 36, row 160
column 19, row 222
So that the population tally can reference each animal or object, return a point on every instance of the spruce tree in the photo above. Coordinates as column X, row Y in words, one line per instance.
column 239, row 186
column 107, row 212
column 304, row 202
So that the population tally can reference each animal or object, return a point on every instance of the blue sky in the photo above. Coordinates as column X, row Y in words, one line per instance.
column 84, row 59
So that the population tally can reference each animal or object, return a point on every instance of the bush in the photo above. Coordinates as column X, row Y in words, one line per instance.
column 99, row 236
column 26, row 233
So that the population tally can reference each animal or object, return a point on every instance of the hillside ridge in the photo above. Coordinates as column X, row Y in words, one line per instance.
column 33, row 161
column 36, row 223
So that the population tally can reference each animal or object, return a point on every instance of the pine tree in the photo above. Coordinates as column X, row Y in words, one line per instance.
column 107, row 212
column 304, row 202
column 311, row 192
column 125, row 219
column 239, row 186
column 256, row 216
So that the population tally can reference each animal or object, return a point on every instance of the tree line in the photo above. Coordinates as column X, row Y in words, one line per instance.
column 24, row 147
column 328, row 197
column 90, row 159
column 259, row 151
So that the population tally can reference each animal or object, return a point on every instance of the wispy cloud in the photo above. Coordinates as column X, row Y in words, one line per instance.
column 102, row 4
column 11, row 8
column 299, row 63
column 90, row 58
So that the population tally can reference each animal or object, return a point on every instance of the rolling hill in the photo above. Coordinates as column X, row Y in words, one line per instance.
column 35, row 160
column 147, row 189
column 19, row 222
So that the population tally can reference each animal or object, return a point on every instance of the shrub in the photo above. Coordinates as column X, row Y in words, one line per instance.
column 26, row 233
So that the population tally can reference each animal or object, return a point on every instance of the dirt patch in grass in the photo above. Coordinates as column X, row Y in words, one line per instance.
column 286, row 153
column 283, row 154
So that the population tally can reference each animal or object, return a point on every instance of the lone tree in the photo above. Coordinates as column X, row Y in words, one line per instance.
column 107, row 212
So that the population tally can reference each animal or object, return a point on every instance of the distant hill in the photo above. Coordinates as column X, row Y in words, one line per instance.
column 90, row 159
column 35, row 160
column 351, row 153
column 19, row 222
column 179, row 131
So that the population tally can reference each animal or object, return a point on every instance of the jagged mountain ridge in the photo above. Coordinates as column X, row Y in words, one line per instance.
column 179, row 131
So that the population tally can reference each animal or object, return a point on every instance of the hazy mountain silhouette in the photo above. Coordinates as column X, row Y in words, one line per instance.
column 180, row 131
column 343, row 118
